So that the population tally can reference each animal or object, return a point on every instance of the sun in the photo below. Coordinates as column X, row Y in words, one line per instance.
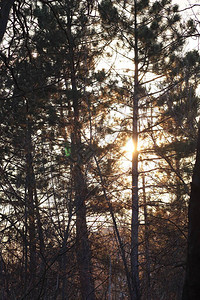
column 126, row 158
column 127, row 153
column 129, row 146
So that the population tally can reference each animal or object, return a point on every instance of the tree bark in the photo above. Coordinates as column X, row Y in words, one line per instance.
column 30, row 202
column 146, row 244
column 191, row 290
column 83, row 247
column 83, row 252
column 5, row 8
column 135, row 221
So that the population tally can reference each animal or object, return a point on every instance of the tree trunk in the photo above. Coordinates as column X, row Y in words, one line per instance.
column 135, row 221
column 191, row 290
column 39, row 227
column 82, row 242
column 5, row 8
column 30, row 203
column 146, row 244
column 83, row 248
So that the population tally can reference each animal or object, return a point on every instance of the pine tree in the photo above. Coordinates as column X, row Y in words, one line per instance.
column 49, row 82
column 155, row 35
column 66, row 196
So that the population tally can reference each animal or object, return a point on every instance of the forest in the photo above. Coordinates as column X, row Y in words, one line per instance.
column 99, row 150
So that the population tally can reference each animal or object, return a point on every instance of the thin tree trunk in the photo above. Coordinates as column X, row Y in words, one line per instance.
column 110, row 280
column 39, row 226
column 191, row 290
column 31, row 221
column 30, row 202
column 121, row 245
column 64, row 257
column 64, row 267
column 146, row 243
column 25, row 242
column 135, row 221
column 64, row 249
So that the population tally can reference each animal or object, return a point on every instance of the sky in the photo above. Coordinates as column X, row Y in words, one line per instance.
column 194, row 13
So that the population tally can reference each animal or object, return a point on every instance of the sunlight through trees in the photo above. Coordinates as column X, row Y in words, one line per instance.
column 99, row 110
